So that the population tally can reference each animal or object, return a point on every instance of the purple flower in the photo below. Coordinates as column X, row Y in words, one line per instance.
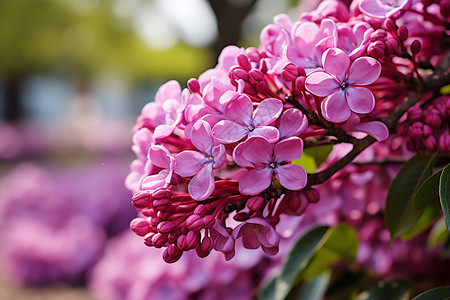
column 384, row 8
column 341, row 85
column 257, row 232
column 160, row 157
column 201, row 164
column 242, row 120
column 268, row 160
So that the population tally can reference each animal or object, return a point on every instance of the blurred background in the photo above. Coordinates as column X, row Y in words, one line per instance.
column 74, row 75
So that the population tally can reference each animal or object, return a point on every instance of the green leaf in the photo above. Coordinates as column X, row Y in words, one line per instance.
column 307, row 162
column 303, row 249
column 444, row 194
column 316, row 288
column 400, row 214
column 341, row 243
column 441, row 293
column 445, row 90
column 393, row 290
column 427, row 191
column 438, row 234
column 430, row 213
column 319, row 153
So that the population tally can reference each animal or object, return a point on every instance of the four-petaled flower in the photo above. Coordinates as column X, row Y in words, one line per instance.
column 268, row 159
column 341, row 84
column 241, row 120
column 201, row 164
column 257, row 232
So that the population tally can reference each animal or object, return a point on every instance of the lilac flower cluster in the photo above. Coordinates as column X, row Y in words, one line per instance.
column 54, row 222
column 227, row 146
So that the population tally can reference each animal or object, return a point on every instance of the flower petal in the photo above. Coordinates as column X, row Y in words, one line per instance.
column 267, row 112
column 360, row 99
column 288, row 149
column 169, row 90
column 239, row 110
column 292, row 177
column 255, row 181
column 336, row 62
column 239, row 159
column 270, row 133
column 227, row 132
column 152, row 182
column 189, row 163
column 220, row 157
column 374, row 9
column 335, row 108
column 159, row 156
column 321, row 84
column 364, row 71
column 201, row 137
column 202, row 185
column 292, row 123
column 257, row 150
column 376, row 129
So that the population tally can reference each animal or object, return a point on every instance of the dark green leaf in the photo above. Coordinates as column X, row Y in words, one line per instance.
column 430, row 213
column 400, row 214
column 392, row 290
column 305, row 247
column 316, row 288
column 427, row 191
column 320, row 153
column 444, row 193
column 440, row 293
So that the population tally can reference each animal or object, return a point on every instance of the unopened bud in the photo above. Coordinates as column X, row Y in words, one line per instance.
column 256, row 75
column 296, row 203
column 430, row 143
column 390, row 25
column 415, row 47
column 289, row 72
column 444, row 142
column 141, row 199
column 173, row 236
column 432, row 118
column 148, row 239
column 140, row 226
column 414, row 114
column 416, row 130
column 301, row 71
column 242, row 216
column 159, row 240
column 300, row 84
column 205, row 247
column 243, row 62
column 166, row 227
column 192, row 239
column 194, row 223
column 253, row 54
column 181, row 242
column 402, row 32
column 312, row 195
column 376, row 49
column 193, row 85
column 255, row 203
column 392, row 44
column 208, row 221
column 161, row 193
column 161, row 204
column 378, row 34
column 172, row 254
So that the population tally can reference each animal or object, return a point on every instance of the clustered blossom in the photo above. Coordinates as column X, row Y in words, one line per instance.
column 226, row 149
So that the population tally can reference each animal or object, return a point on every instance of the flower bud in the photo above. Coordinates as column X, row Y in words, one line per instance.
column 430, row 143
column 194, row 86
column 239, row 73
column 174, row 235
column 148, row 239
column 301, row 71
column 154, row 220
column 378, row 34
column 255, row 203
column 312, row 195
column 289, row 72
column 427, row 130
column 253, row 54
column 148, row 212
column 249, row 89
column 444, row 8
column 392, row 44
column 263, row 66
column 444, row 142
column 376, row 49
column 390, row 25
column 201, row 210
column 432, row 118
column 243, row 62
column 164, row 215
column 194, row 223
column 415, row 47
column 402, row 32
column 416, row 130
column 205, row 247
column 256, row 75
column 166, row 227
column 300, row 84
column 242, row 216
column 161, row 204
column 140, row 226
column 414, row 114
column 161, row 193
column 159, row 240
column 192, row 240
column 208, row 221
column 181, row 242
column 141, row 199
column 172, row 254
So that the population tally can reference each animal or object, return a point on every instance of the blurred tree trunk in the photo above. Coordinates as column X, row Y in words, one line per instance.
column 229, row 20
column 13, row 97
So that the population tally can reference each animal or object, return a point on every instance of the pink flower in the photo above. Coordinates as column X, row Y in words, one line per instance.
column 201, row 164
column 160, row 157
column 242, row 120
column 173, row 109
column 257, row 232
column 341, row 85
column 384, row 8
column 292, row 123
column 268, row 160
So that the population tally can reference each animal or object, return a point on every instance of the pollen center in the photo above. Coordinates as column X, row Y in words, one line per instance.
column 273, row 165
column 251, row 128
column 343, row 85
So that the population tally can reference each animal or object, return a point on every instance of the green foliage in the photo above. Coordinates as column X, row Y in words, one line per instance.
column 441, row 293
column 307, row 162
column 313, row 254
column 393, row 290
column 429, row 190
column 400, row 214
column 314, row 289
column 444, row 193
column 438, row 234
column 319, row 153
